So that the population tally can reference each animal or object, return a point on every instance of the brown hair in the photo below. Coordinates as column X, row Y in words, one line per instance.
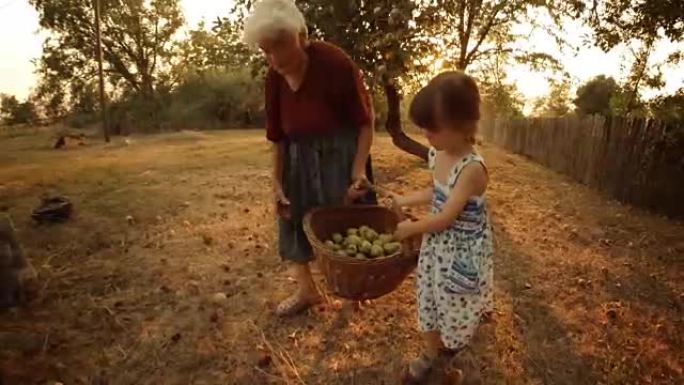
column 451, row 97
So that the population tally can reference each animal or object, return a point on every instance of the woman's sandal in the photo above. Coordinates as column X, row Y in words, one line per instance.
column 295, row 305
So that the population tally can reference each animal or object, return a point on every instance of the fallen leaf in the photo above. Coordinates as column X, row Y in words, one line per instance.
column 264, row 360
column 176, row 337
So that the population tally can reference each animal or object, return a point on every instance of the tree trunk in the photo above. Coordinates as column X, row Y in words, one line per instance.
column 393, row 125
column 100, row 73
column 150, row 95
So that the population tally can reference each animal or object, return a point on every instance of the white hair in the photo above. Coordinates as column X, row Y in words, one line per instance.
column 270, row 17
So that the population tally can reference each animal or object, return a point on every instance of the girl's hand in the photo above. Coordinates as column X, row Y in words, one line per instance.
column 396, row 204
column 404, row 230
column 397, row 201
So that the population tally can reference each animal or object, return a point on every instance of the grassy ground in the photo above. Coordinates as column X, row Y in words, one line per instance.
column 588, row 291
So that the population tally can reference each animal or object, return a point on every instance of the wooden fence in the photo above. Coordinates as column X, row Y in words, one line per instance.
column 639, row 161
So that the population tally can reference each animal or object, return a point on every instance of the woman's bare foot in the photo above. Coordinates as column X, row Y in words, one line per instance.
column 297, row 303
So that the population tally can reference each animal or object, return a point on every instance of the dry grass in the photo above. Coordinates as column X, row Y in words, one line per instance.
column 588, row 291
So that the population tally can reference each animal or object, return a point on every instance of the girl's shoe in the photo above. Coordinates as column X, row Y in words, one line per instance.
column 419, row 370
column 462, row 369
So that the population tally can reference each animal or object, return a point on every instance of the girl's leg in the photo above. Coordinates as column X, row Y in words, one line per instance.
column 429, row 359
column 433, row 343
column 307, row 293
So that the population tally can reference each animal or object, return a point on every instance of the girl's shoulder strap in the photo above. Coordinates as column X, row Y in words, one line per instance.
column 432, row 155
column 473, row 157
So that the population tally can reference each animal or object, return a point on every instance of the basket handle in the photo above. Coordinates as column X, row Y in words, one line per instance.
column 308, row 230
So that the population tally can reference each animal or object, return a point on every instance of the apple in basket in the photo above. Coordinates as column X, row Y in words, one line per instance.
column 363, row 243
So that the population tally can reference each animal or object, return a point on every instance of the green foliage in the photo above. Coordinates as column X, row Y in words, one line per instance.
column 625, row 103
column 84, row 109
column 8, row 105
column 24, row 114
column 219, row 47
column 501, row 101
column 593, row 97
column 642, row 75
column 206, row 79
column 477, row 30
column 557, row 103
column 500, row 98
column 137, row 47
column 154, row 81
column 380, row 108
column 14, row 112
column 217, row 86
column 84, row 97
column 669, row 108
column 386, row 38
column 644, row 22
column 81, row 120
column 617, row 21
column 396, row 40
column 216, row 98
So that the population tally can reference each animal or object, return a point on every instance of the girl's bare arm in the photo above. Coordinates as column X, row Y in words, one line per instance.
column 415, row 198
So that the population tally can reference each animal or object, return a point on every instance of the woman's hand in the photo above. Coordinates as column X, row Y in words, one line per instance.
column 358, row 187
column 282, row 204
column 405, row 229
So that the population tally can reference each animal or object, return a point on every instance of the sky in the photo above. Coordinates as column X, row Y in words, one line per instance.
column 21, row 40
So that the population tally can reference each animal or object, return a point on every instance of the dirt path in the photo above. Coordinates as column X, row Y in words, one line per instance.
column 588, row 291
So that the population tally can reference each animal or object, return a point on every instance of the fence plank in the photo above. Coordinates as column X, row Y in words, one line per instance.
column 640, row 161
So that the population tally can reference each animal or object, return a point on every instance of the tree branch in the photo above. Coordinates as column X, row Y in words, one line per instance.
column 461, row 23
column 491, row 51
column 118, row 64
column 473, row 13
column 485, row 31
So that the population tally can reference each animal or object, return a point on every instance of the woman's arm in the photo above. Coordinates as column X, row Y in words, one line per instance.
column 278, row 155
column 363, row 147
column 275, row 135
column 360, row 110
column 282, row 204
column 471, row 182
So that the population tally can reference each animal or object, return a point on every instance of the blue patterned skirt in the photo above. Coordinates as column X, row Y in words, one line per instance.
column 316, row 172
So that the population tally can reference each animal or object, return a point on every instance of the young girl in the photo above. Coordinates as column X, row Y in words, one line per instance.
column 455, row 264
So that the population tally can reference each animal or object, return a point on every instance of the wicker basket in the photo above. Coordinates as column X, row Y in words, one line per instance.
column 352, row 278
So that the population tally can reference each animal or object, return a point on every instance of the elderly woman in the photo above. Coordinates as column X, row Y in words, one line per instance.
column 320, row 122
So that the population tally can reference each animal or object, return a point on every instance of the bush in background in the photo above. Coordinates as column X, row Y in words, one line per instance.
column 216, row 99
